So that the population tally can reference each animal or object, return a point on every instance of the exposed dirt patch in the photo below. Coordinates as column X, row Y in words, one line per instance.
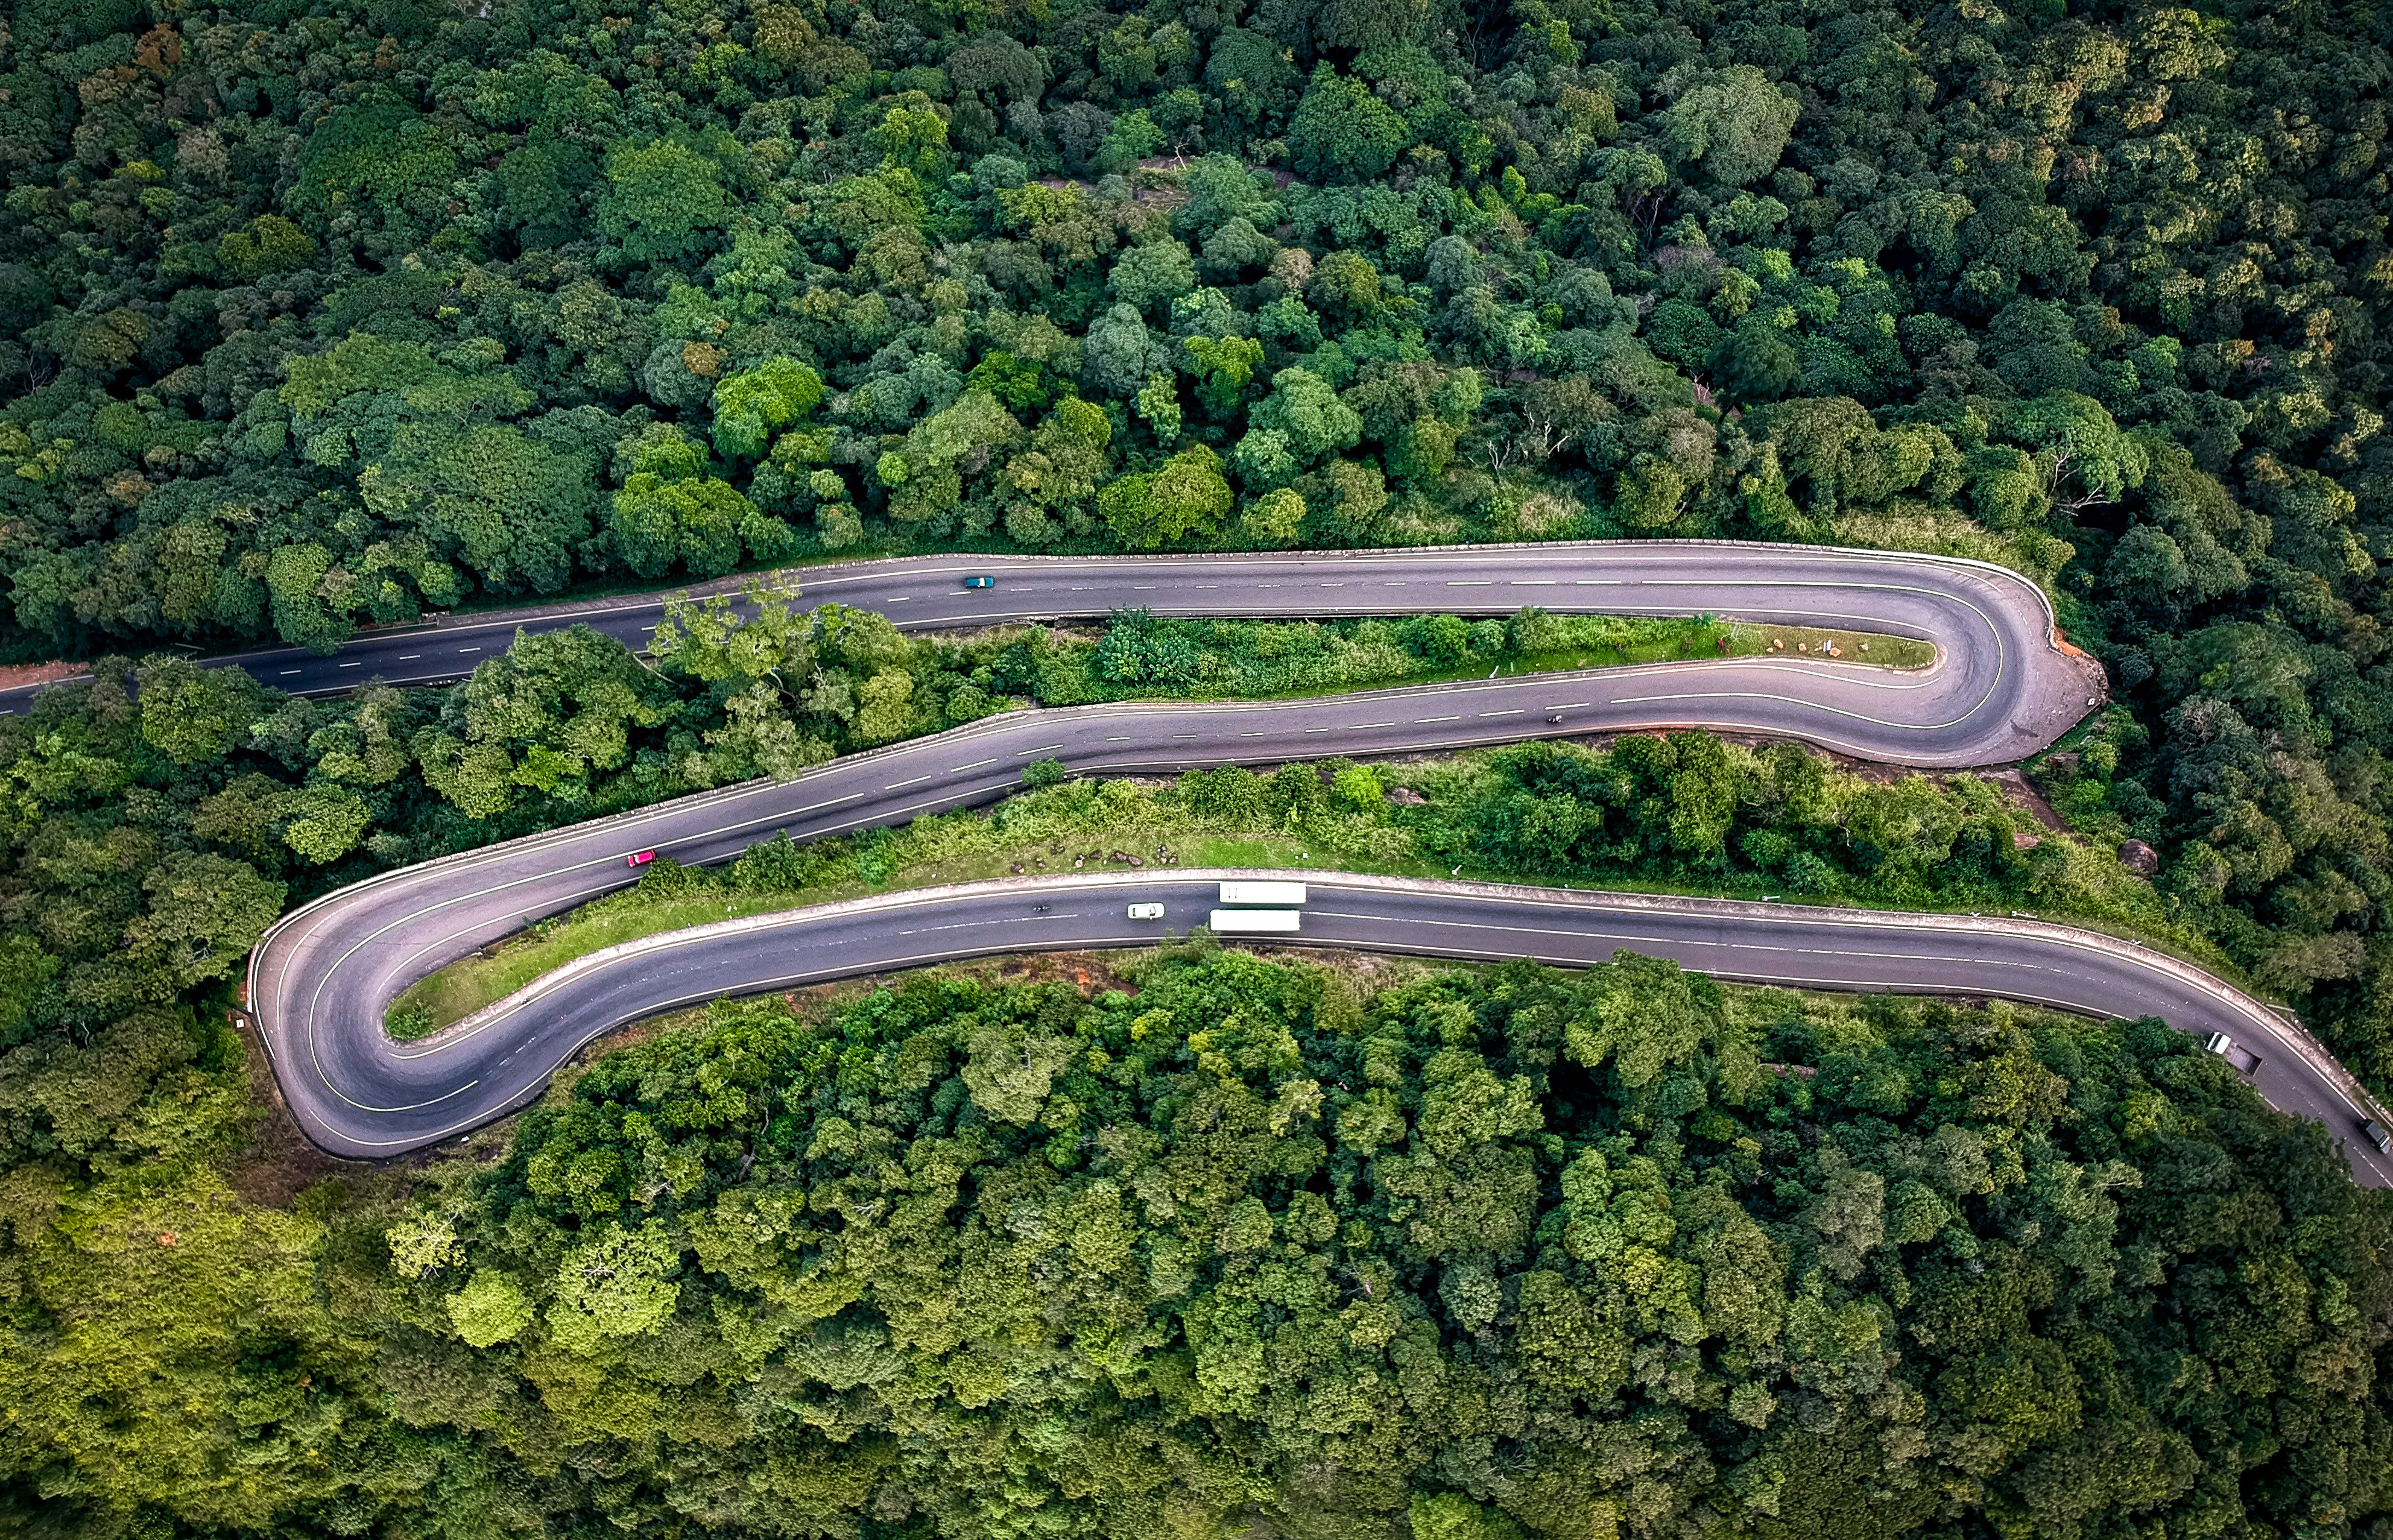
column 1090, row 973
column 814, row 1002
column 2015, row 787
column 16, row 676
column 1371, row 972
column 278, row 1164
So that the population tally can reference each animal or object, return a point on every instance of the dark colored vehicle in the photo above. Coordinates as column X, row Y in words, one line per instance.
column 980, row 580
column 639, row 857
column 2378, row 1135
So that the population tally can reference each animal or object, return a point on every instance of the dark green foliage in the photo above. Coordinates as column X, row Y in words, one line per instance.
column 324, row 317
column 1575, row 1217
column 1690, row 808
column 1342, row 132
column 1862, row 1272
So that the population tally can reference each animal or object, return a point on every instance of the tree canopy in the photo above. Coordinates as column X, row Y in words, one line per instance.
column 316, row 318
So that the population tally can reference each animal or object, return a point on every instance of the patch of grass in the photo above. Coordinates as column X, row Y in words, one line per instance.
column 1042, row 831
column 1692, row 640
column 1675, row 642
column 1283, row 659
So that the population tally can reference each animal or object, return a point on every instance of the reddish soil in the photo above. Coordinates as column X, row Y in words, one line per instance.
column 15, row 676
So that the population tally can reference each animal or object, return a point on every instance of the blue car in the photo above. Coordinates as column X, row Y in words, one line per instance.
column 980, row 581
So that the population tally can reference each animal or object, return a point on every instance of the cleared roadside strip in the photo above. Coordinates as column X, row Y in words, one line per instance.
column 1794, row 945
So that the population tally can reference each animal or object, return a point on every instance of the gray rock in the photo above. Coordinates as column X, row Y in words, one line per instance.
column 2140, row 858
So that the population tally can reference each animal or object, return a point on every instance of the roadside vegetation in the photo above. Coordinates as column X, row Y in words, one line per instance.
column 321, row 315
column 1645, row 1237
column 1684, row 814
column 1143, row 656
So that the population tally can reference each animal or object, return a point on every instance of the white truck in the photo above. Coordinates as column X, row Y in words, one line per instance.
column 1255, row 921
column 2244, row 1059
column 1276, row 894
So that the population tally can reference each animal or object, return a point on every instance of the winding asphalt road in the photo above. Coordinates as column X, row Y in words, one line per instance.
column 393, row 1097
column 2001, row 688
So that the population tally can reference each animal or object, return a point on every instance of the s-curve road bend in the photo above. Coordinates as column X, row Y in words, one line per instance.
column 358, row 1092
column 2001, row 688
column 322, row 974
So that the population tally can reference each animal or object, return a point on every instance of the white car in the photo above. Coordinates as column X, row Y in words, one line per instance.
column 1146, row 912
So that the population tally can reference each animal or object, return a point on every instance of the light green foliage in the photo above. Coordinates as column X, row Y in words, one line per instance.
column 193, row 715
column 509, row 502
column 616, row 1284
column 1059, row 471
column 543, row 717
column 270, row 245
column 1451, row 1516
column 2083, row 456
column 422, row 1243
column 1159, row 405
column 1274, row 519
column 382, row 157
column 1118, row 353
column 203, row 913
column 489, row 1310
column 1839, row 457
column 944, row 453
column 1148, row 276
column 325, row 822
column 1734, row 124
column 751, row 406
column 1341, row 132
column 496, row 500
column 1305, row 411
column 913, row 136
column 1184, row 501
column 1224, row 366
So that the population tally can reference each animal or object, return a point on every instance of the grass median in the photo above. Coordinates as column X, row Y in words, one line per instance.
column 1141, row 657
column 1630, row 819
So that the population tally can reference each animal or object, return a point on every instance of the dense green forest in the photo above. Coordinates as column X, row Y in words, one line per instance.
column 1221, row 1247
column 316, row 316
column 319, row 320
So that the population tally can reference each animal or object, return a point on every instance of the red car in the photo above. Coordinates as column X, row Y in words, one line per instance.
column 639, row 858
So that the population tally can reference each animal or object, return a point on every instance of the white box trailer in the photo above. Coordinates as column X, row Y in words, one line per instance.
column 1277, row 895
column 1255, row 921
